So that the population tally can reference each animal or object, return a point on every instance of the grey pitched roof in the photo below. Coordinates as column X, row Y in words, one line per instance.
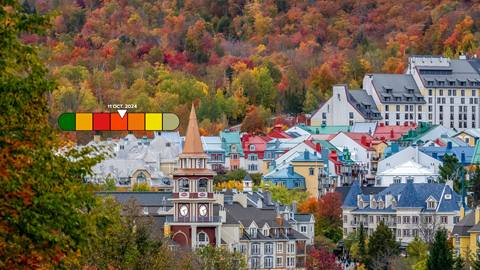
column 142, row 198
column 246, row 215
column 397, row 89
column 364, row 104
column 464, row 225
column 302, row 217
column 459, row 73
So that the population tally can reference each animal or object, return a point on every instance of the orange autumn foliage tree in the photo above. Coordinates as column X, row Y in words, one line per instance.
column 327, row 212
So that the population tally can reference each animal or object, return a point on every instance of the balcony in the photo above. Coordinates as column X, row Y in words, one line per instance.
column 358, row 223
column 195, row 219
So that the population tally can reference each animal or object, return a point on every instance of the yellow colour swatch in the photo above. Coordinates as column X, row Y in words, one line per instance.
column 153, row 121
column 83, row 121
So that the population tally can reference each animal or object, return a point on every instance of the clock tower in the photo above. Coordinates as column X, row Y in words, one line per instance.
column 193, row 223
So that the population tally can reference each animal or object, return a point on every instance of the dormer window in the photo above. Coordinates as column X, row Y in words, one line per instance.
column 394, row 204
column 265, row 232
column 233, row 148
column 252, row 147
column 373, row 204
column 253, row 232
column 431, row 203
column 381, row 205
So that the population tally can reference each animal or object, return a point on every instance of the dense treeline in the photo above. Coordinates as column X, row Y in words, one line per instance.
column 231, row 56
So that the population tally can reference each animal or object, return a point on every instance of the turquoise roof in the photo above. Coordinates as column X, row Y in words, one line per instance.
column 230, row 138
column 476, row 154
column 325, row 129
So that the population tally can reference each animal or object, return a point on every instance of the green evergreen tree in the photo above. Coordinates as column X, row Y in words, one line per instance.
column 451, row 170
column 382, row 247
column 440, row 256
column 361, row 244
column 459, row 263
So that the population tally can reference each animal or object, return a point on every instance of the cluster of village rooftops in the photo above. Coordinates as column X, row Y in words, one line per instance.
column 381, row 148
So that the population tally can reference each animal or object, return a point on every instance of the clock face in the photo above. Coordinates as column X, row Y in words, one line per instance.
column 183, row 210
column 203, row 210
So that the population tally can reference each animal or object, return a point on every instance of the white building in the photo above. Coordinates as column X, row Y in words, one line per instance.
column 401, row 173
column 346, row 107
column 396, row 157
column 450, row 87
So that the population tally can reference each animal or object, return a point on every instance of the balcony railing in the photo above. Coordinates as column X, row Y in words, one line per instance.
column 195, row 219
column 365, row 223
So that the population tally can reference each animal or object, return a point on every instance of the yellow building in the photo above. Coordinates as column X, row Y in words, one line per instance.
column 466, row 233
column 309, row 166
column 469, row 136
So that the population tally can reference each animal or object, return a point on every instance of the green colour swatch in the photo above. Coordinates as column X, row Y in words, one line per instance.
column 66, row 122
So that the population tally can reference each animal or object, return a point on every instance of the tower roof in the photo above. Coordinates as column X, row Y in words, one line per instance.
column 193, row 142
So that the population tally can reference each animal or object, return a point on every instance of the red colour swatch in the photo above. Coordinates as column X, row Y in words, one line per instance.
column 101, row 121
column 118, row 123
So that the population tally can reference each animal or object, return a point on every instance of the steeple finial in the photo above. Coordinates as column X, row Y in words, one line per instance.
column 193, row 143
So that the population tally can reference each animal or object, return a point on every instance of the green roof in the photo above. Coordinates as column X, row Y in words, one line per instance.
column 324, row 129
column 326, row 145
column 414, row 135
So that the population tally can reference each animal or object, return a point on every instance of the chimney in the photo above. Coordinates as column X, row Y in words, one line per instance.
column 392, row 134
column 279, row 219
column 259, row 203
column 294, row 207
column 477, row 215
column 290, row 169
column 449, row 145
column 268, row 197
column 333, row 155
column 306, row 155
column 222, row 213
column 462, row 158
column 363, row 140
column 405, row 124
column 318, row 147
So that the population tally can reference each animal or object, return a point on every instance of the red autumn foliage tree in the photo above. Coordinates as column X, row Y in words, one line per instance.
column 321, row 259
column 327, row 211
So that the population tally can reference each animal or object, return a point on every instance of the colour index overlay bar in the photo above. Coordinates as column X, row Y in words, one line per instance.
column 101, row 121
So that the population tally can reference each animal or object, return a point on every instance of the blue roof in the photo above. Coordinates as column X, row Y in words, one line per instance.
column 287, row 177
column 409, row 195
column 307, row 156
column 351, row 198
column 439, row 152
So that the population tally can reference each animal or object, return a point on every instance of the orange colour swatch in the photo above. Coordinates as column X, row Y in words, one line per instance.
column 136, row 121
column 118, row 123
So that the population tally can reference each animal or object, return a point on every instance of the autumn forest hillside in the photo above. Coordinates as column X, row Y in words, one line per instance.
column 237, row 58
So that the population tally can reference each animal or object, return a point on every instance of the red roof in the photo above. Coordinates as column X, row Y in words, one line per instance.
column 260, row 143
column 392, row 133
column 278, row 133
column 363, row 139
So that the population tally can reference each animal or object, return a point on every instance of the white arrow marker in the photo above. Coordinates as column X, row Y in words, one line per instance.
column 122, row 113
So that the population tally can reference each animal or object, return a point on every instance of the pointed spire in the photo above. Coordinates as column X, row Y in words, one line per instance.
column 193, row 143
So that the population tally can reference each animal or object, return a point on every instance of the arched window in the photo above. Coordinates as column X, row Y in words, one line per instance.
column 203, row 185
column 183, row 185
column 141, row 177
column 202, row 239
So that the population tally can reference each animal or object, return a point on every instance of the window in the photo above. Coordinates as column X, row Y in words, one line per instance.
column 456, row 219
column 429, row 91
column 202, row 239
column 255, row 248
column 345, row 219
column 290, row 261
column 268, row 248
column 279, row 247
column 141, row 177
column 444, row 219
column 183, row 185
column 397, row 107
column 311, row 171
column 428, row 219
column 386, row 108
column 252, row 157
column 406, row 107
column 431, row 204
column 350, row 115
column 406, row 233
column 203, row 185
column 415, row 220
column 324, row 115
column 255, row 262
column 290, row 248
column 268, row 262
column 279, row 261
column 397, row 180
column 253, row 232
column 251, row 147
column 252, row 167
column 303, row 228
